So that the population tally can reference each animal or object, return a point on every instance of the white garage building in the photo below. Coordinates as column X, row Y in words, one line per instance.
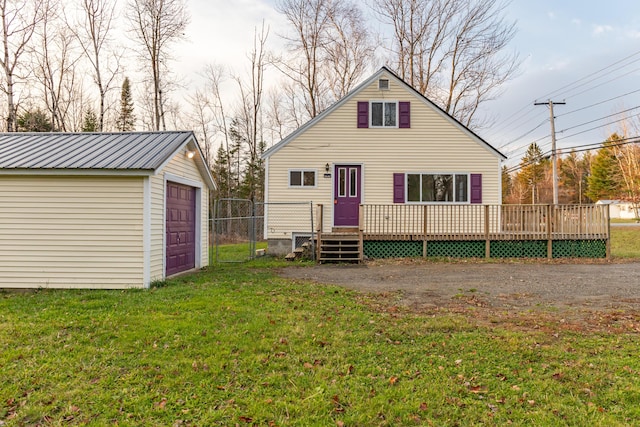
column 101, row 210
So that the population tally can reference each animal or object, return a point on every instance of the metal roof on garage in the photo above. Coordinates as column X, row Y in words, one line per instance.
column 117, row 151
column 128, row 153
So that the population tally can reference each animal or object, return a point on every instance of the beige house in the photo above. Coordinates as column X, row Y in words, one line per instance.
column 384, row 143
column 103, row 210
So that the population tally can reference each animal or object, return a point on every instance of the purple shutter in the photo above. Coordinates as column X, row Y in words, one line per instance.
column 476, row 188
column 398, row 188
column 404, row 115
column 363, row 114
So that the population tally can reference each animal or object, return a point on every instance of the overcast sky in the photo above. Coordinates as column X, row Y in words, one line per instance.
column 559, row 41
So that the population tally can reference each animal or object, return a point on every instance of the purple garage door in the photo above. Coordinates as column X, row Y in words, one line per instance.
column 347, row 189
column 181, row 228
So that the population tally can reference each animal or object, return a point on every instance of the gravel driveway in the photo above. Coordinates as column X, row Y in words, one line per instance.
column 515, row 285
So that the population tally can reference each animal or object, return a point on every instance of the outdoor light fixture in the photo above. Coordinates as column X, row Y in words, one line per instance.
column 190, row 154
column 327, row 167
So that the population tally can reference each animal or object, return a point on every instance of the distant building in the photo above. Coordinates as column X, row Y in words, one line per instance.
column 619, row 209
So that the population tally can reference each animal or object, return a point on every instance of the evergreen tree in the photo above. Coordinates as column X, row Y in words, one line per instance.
column 226, row 180
column 506, row 184
column 574, row 173
column 90, row 121
column 34, row 121
column 126, row 121
column 532, row 172
column 604, row 182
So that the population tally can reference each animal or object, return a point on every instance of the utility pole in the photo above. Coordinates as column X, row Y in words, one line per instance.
column 554, row 166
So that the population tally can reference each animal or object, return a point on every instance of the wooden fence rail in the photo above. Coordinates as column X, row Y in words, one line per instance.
column 484, row 222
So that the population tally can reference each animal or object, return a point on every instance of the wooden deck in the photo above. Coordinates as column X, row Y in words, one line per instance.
column 489, row 223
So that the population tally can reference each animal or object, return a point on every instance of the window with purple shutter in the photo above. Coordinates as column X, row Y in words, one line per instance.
column 476, row 187
column 363, row 114
column 404, row 115
column 398, row 188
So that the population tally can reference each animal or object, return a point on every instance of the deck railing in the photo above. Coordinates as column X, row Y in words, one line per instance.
column 480, row 222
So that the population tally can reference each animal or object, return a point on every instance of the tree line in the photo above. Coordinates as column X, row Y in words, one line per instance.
column 63, row 69
column 611, row 172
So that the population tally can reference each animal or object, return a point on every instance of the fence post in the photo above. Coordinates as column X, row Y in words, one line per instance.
column 313, row 241
column 319, row 229
column 487, row 241
column 549, row 234
column 607, row 215
column 424, row 231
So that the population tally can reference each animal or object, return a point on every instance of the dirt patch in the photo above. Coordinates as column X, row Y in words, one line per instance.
column 574, row 291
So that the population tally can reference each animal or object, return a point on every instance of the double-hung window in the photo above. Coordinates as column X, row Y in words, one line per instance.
column 384, row 114
column 437, row 188
column 302, row 178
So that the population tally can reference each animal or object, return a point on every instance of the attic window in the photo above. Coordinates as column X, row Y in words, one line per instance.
column 383, row 84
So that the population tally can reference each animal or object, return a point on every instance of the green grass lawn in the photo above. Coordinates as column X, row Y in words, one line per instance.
column 236, row 345
column 625, row 242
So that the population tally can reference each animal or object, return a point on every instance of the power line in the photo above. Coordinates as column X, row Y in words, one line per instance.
column 554, row 170
column 611, row 143
column 555, row 92
column 604, row 83
column 574, row 127
column 524, row 134
column 593, row 128
column 597, row 103
column 600, row 118
column 522, row 113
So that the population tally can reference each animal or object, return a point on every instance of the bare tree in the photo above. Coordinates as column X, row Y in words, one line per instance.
column 453, row 51
column 20, row 19
column 93, row 30
column 627, row 153
column 156, row 24
column 349, row 51
column 330, row 49
column 227, row 164
column 200, row 118
column 56, row 62
column 310, row 20
column 249, row 118
column 214, row 76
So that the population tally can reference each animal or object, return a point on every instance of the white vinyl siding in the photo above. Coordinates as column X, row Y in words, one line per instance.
column 184, row 167
column 433, row 143
column 71, row 232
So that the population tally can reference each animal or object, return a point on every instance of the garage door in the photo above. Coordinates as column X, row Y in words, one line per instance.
column 181, row 228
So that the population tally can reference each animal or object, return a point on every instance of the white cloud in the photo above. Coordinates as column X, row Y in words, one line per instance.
column 632, row 34
column 601, row 29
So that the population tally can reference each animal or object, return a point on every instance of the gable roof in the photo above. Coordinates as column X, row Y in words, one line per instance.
column 362, row 86
column 136, row 153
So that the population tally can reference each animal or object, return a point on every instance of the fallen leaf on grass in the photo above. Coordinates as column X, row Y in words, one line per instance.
column 477, row 389
column 393, row 380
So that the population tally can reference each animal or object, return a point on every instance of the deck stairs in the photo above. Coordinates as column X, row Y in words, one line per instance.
column 341, row 245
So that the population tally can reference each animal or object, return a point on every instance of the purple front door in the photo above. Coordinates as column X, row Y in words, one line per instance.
column 181, row 228
column 347, row 190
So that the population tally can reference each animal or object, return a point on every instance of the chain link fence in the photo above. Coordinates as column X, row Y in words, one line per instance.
column 238, row 227
column 289, row 226
column 233, row 229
